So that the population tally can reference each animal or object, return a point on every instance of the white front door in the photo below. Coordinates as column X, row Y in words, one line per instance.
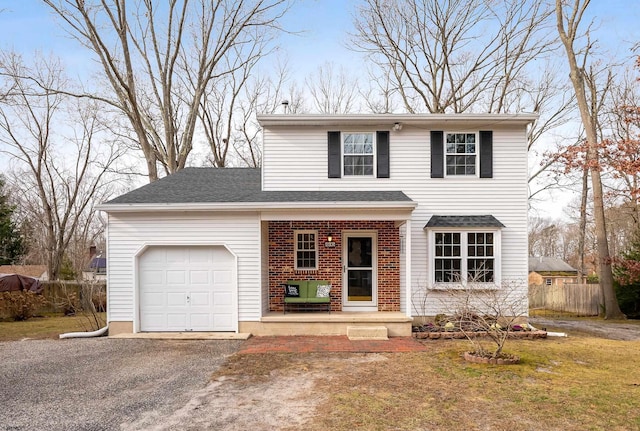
column 360, row 292
column 187, row 289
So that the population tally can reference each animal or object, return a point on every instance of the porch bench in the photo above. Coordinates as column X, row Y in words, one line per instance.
column 307, row 299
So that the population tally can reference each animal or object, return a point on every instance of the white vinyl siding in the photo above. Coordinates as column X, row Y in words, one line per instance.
column 129, row 233
column 295, row 158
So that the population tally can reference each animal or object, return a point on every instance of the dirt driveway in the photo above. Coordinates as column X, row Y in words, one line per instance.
column 601, row 328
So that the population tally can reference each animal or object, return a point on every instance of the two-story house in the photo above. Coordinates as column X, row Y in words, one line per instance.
column 384, row 208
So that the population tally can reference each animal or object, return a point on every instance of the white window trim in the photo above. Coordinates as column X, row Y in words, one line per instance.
column 295, row 249
column 477, row 154
column 375, row 153
column 497, row 258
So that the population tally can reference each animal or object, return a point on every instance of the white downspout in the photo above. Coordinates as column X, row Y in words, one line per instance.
column 99, row 333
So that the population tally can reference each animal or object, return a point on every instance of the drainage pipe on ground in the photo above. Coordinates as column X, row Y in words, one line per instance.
column 100, row 332
column 549, row 334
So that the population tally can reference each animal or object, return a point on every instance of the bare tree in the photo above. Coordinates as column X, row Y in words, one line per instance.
column 622, row 156
column 568, row 22
column 332, row 90
column 454, row 56
column 470, row 56
column 552, row 98
column 58, row 152
column 230, row 123
column 161, row 57
column 379, row 95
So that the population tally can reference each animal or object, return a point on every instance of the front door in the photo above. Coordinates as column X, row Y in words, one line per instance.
column 360, row 262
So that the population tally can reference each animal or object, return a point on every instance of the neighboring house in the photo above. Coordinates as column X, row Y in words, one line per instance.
column 384, row 207
column 36, row 271
column 96, row 270
column 551, row 271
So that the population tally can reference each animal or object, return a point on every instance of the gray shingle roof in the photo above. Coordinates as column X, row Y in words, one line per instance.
column 549, row 264
column 463, row 221
column 228, row 185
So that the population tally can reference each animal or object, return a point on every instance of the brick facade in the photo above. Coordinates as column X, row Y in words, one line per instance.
column 282, row 259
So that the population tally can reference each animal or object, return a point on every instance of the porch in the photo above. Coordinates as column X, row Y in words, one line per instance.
column 397, row 324
column 362, row 262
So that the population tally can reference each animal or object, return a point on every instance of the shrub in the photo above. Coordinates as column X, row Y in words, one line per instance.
column 21, row 305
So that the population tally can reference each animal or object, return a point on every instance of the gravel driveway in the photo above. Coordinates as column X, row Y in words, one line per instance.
column 100, row 383
column 600, row 328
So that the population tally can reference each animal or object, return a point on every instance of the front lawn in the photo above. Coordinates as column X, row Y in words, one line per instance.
column 48, row 326
column 575, row 383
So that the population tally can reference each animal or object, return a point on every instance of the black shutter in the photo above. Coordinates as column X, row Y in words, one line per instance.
column 382, row 149
column 437, row 154
column 486, row 154
column 335, row 167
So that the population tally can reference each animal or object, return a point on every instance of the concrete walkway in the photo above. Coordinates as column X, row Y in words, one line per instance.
column 305, row 344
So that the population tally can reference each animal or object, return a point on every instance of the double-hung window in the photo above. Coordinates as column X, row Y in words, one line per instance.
column 465, row 257
column 306, row 250
column 358, row 153
column 461, row 153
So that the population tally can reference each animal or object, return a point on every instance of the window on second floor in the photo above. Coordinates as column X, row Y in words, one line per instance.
column 358, row 153
column 456, row 154
column 461, row 154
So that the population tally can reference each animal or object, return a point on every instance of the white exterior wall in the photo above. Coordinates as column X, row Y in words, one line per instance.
column 129, row 232
column 295, row 158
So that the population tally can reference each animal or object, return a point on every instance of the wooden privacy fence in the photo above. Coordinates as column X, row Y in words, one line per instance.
column 580, row 299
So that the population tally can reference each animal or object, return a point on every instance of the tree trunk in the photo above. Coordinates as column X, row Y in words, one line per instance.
column 583, row 225
column 612, row 310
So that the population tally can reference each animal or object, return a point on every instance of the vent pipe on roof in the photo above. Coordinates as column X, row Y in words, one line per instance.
column 285, row 106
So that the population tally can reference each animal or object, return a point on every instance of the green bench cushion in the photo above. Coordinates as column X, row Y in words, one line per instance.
column 300, row 300
column 308, row 290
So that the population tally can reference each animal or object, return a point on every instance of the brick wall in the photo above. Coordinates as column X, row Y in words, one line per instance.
column 282, row 259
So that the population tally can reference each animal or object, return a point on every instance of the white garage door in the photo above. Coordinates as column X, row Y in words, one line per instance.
column 187, row 289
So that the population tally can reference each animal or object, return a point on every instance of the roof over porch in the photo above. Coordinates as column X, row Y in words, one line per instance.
column 240, row 189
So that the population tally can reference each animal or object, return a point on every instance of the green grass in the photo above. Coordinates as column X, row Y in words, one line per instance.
column 47, row 326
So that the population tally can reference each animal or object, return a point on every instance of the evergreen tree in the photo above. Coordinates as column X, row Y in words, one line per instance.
column 11, row 244
column 627, row 272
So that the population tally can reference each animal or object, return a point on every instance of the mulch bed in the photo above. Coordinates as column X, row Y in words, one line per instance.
column 450, row 335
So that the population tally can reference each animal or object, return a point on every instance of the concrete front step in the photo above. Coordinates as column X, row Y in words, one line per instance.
column 367, row 333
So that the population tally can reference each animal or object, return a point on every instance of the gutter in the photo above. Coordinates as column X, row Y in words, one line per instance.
column 253, row 206
column 388, row 120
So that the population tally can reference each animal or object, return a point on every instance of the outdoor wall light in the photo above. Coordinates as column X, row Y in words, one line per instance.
column 329, row 238
column 397, row 127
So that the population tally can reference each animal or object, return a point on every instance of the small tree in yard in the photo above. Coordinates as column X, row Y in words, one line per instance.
column 487, row 315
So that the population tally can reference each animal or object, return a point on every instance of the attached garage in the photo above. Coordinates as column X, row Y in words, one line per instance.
column 187, row 288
